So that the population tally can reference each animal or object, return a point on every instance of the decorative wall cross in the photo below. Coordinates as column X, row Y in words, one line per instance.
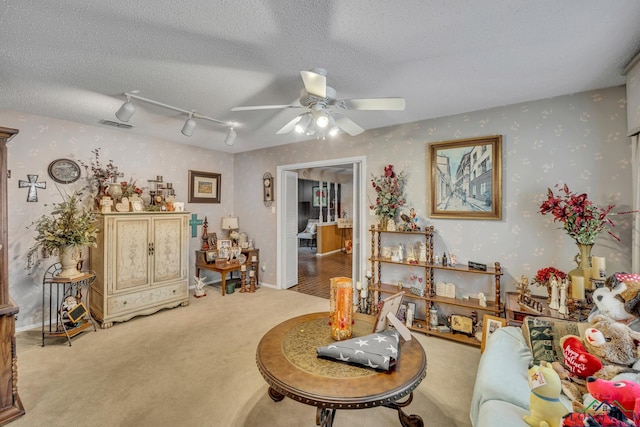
column 194, row 223
column 33, row 185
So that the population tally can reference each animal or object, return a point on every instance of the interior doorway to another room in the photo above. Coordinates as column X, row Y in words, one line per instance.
column 341, row 179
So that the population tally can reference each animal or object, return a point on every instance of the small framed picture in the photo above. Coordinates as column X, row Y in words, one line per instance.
column 224, row 244
column 489, row 325
column 211, row 256
column 204, row 187
column 137, row 206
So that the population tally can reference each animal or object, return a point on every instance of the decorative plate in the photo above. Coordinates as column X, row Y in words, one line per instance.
column 64, row 171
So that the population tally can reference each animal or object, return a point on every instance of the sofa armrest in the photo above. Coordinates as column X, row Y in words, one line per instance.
column 502, row 371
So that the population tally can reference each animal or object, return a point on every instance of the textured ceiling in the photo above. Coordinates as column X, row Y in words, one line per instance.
column 73, row 60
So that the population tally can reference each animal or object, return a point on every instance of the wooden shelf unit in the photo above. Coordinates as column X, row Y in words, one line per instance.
column 494, row 307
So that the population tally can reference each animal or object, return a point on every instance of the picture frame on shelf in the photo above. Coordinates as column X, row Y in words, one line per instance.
column 319, row 198
column 204, row 187
column 224, row 243
column 489, row 325
column 477, row 194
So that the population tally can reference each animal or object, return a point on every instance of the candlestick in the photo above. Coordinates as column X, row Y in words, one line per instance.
column 598, row 269
column 577, row 287
column 243, row 280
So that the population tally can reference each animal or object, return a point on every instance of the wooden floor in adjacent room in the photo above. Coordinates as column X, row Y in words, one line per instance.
column 314, row 272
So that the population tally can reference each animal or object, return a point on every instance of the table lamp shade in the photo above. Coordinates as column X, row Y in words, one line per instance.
column 229, row 223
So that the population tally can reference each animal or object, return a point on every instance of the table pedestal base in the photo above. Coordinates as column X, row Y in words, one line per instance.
column 325, row 416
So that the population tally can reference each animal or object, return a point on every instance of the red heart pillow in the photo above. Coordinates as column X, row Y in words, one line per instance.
column 577, row 359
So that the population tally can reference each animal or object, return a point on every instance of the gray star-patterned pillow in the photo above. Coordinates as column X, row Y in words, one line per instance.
column 378, row 351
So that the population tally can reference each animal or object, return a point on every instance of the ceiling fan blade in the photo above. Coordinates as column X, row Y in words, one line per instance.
column 375, row 104
column 315, row 83
column 290, row 126
column 348, row 125
column 263, row 107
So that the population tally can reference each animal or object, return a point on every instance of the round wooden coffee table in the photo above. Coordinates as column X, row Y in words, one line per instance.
column 287, row 360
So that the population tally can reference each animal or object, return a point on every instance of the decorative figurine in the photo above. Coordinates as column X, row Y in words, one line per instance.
column 563, row 297
column 199, row 289
column 205, row 236
column 523, row 288
column 414, row 220
column 553, row 305
column 482, row 299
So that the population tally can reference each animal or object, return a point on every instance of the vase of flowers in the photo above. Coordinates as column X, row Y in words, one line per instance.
column 581, row 219
column 65, row 231
column 99, row 175
column 390, row 197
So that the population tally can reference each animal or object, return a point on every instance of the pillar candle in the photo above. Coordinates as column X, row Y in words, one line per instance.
column 363, row 292
column 358, row 285
column 598, row 267
column 243, row 267
column 252, row 273
column 577, row 287
column 254, row 258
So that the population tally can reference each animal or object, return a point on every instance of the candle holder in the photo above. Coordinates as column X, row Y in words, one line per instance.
column 341, row 308
column 252, row 282
column 243, row 281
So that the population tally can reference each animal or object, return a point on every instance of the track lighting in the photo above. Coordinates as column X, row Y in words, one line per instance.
column 231, row 137
column 189, row 126
column 127, row 109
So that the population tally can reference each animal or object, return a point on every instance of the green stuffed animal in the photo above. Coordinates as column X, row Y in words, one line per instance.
column 545, row 407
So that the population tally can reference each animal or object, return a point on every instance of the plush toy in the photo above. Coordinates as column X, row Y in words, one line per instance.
column 545, row 408
column 624, row 394
column 577, row 358
column 611, row 418
column 627, row 287
column 609, row 303
column 615, row 344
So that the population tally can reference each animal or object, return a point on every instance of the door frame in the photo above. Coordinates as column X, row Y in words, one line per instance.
column 282, row 201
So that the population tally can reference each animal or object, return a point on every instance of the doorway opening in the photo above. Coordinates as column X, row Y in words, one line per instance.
column 287, row 214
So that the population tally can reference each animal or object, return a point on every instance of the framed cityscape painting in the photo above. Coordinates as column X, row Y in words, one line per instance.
column 466, row 178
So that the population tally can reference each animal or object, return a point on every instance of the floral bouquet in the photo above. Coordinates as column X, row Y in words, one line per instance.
column 582, row 220
column 543, row 276
column 390, row 192
column 129, row 189
column 235, row 236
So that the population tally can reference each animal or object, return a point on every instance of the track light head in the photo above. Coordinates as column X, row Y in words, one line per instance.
column 189, row 126
column 125, row 111
column 231, row 137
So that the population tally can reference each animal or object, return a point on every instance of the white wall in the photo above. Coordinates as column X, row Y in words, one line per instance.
column 579, row 139
column 42, row 140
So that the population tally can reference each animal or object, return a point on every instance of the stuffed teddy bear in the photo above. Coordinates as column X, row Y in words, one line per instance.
column 545, row 407
column 614, row 343
column 624, row 394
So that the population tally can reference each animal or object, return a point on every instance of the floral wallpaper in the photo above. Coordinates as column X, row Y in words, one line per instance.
column 577, row 139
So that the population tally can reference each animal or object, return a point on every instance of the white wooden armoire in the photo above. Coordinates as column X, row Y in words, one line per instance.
column 141, row 265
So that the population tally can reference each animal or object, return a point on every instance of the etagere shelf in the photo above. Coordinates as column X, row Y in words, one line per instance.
column 377, row 261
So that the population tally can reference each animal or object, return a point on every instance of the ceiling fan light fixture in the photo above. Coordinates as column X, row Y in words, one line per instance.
column 189, row 126
column 231, row 137
column 125, row 111
column 334, row 131
column 303, row 124
column 322, row 121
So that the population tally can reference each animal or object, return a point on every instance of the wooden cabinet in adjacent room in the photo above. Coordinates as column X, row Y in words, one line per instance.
column 141, row 265
column 10, row 404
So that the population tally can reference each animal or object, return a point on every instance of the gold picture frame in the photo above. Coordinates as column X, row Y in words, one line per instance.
column 489, row 325
column 466, row 178
column 204, row 187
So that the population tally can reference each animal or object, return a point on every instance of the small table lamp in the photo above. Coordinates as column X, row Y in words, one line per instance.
column 229, row 223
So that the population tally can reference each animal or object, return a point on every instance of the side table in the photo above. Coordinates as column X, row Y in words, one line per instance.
column 59, row 288
column 516, row 313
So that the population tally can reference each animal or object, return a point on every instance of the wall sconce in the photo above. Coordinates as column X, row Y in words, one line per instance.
column 267, row 189
column 229, row 223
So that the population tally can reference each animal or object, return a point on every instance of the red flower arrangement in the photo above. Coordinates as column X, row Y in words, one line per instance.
column 543, row 276
column 582, row 220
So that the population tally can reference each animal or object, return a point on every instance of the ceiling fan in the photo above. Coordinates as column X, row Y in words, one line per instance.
column 321, row 104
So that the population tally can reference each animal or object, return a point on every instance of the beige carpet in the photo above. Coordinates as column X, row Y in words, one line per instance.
column 195, row 366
